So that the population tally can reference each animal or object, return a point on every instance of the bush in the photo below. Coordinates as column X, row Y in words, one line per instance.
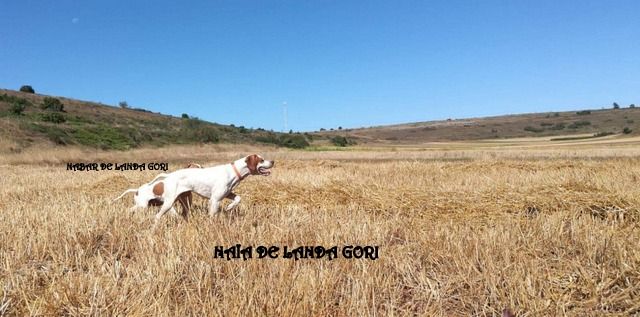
column 342, row 141
column 558, row 126
column 27, row 89
column 583, row 112
column 185, row 116
column 339, row 141
column 295, row 141
column 626, row 130
column 632, row 106
column 546, row 124
column 206, row 135
column 123, row 104
column 53, row 117
column 53, row 104
column 616, row 106
column 579, row 124
column 533, row 129
column 17, row 108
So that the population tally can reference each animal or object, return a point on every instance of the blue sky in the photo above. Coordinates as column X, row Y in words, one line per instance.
column 335, row 63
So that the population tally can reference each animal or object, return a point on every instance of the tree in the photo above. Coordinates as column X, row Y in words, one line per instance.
column 27, row 89
column 339, row 128
column 632, row 106
column 123, row 104
column 185, row 116
column 616, row 106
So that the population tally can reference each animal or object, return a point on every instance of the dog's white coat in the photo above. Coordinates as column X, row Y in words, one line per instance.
column 215, row 182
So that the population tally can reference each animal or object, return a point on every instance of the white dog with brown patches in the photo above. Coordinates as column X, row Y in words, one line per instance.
column 215, row 182
column 150, row 194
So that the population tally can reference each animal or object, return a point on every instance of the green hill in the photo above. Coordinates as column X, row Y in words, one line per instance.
column 27, row 119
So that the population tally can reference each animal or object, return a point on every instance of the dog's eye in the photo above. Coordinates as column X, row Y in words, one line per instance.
column 262, row 160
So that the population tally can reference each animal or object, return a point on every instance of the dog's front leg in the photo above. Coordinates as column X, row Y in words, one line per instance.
column 235, row 202
column 214, row 206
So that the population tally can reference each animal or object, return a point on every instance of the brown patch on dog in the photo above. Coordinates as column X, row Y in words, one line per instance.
column 155, row 202
column 252, row 163
column 194, row 165
column 158, row 188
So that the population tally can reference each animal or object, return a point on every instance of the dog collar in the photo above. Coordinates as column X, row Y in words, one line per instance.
column 235, row 169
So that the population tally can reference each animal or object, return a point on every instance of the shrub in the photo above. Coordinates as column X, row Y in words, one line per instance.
column 185, row 116
column 626, row 130
column 557, row 114
column 558, row 126
column 206, row 134
column 579, row 124
column 533, row 129
column 616, row 106
column 53, row 117
column 123, row 104
column 546, row 124
column 342, row 141
column 53, row 104
column 295, row 141
column 323, row 129
column 308, row 136
column 339, row 141
column 630, row 121
column 27, row 89
column 17, row 108
column 583, row 112
column 632, row 106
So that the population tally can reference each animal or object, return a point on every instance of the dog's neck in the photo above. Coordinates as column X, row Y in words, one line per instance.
column 240, row 169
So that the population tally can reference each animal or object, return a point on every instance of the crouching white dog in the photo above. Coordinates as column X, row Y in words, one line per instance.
column 215, row 183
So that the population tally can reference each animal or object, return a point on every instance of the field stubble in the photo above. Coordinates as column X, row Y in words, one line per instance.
column 467, row 235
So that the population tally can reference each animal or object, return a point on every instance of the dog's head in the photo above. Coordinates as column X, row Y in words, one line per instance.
column 258, row 165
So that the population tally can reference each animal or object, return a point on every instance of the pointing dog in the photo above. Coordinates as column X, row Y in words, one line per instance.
column 215, row 183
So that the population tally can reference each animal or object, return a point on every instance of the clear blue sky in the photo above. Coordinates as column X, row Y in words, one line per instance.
column 336, row 63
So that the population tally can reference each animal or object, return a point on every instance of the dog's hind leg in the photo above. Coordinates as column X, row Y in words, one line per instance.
column 185, row 201
column 236, row 200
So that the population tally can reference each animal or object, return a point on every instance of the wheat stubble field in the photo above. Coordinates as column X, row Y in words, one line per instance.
column 546, row 232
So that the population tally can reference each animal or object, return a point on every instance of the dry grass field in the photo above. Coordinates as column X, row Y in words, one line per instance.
column 545, row 231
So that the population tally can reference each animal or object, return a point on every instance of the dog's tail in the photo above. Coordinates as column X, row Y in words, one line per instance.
column 126, row 192
column 159, row 176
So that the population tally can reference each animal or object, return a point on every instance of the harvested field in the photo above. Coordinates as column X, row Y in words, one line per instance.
column 544, row 231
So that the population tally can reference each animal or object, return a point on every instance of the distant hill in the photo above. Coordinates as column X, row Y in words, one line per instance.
column 597, row 122
column 96, row 125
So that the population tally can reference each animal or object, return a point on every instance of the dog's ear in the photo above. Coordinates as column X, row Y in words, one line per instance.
column 252, row 163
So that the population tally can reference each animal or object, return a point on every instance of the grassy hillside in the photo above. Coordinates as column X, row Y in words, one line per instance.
column 587, row 123
column 100, row 126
